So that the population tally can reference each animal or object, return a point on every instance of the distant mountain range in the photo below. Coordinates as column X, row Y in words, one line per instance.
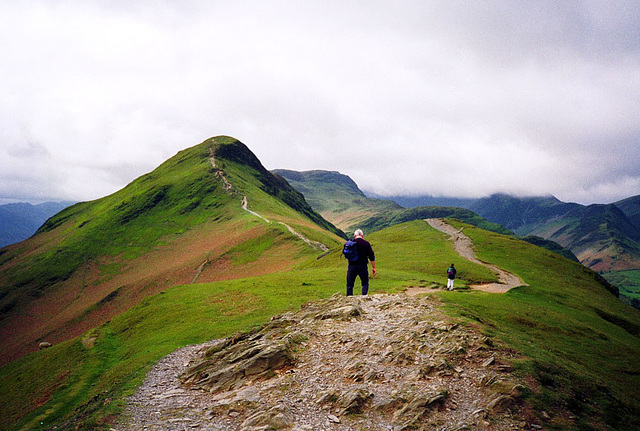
column 601, row 236
column 19, row 221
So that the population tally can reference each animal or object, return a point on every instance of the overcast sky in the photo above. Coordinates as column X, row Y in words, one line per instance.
column 463, row 98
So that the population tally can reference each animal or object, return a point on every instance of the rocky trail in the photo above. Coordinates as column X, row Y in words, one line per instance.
column 464, row 247
column 381, row 362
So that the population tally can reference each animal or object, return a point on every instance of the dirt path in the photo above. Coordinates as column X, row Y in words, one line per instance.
column 464, row 247
column 245, row 206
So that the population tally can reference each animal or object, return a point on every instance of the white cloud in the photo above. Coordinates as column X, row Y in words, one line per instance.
column 531, row 98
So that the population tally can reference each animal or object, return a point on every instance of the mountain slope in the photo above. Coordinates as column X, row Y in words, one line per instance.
column 21, row 220
column 184, row 222
column 631, row 209
column 427, row 201
column 520, row 214
column 601, row 236
column 338, row 198
column 570, row 341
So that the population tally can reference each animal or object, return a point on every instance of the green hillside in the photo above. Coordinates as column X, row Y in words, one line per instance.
column 579, row 343
column 338, row 198
column 519, row 214
column 631, row 208
column 551, row 246
column 603, row 237
column 180, row 223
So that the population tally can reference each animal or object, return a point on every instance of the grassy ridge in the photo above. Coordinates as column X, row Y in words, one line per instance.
column 580, row 342
column 128, row 223
column 248, row 176
column 583, row 343
column 96, row 259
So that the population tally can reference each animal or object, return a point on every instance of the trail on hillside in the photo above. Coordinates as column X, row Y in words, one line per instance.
column 464, row 247
column 378, row 362
column 245, row 206
column 219, row 173
column 315, row 244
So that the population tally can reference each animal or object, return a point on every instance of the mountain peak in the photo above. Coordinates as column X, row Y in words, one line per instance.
column 175, row 225
column 233, row 150
column 547, row 199
column 327, row 178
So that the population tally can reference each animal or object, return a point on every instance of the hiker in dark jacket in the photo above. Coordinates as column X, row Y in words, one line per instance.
column 451, row 275
column 360, row 267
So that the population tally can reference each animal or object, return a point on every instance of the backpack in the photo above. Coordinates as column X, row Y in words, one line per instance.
column 451, row 271
column 349, row 251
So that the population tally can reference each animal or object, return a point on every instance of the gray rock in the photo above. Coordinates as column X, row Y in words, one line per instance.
column 418, row 404
column 341, row 313
column 277, row 417
column 500, row 403
column 353, row 401
column 334, row 419
column 228, row 367
column 489, row 362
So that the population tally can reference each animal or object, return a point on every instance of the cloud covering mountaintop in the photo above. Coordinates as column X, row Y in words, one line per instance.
column 458, row 99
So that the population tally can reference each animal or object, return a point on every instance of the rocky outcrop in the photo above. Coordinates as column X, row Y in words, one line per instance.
column 389, row 362
column 230, row 364
column 44, row 345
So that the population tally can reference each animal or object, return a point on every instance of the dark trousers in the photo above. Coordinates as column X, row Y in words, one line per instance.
column 354, row 271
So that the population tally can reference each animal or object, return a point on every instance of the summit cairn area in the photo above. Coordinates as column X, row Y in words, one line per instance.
column 381, row 362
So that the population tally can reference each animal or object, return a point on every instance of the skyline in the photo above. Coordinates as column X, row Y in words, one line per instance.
column 431, row 98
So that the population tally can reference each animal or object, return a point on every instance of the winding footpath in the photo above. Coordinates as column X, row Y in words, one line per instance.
column 464, row 247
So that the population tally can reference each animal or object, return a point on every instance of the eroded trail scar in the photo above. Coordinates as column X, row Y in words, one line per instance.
column 464, row 247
